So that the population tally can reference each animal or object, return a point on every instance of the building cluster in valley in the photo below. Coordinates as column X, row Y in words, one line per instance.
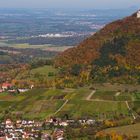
column 31, row 129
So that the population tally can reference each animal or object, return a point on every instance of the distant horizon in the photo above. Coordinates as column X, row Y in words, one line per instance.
column 69, row 4
column 58, row 8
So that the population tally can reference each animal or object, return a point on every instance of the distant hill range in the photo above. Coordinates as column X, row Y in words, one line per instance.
column 117, row 44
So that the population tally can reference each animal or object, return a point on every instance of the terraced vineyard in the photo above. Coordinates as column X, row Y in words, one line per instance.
column 112, row 96
column 42, row 103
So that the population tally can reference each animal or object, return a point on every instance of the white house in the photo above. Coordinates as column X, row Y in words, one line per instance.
column 138, row 14
column 23, row 90
column 63, row 124
column 9, row 124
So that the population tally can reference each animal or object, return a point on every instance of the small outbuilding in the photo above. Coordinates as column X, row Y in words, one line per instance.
column 138, row 14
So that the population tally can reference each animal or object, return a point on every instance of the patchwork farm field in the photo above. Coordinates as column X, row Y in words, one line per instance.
column 42, row 103
column 113, row 96
column 46, row 47
column 89, row 109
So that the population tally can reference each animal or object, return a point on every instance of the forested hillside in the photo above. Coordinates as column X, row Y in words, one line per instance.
column 114, row 51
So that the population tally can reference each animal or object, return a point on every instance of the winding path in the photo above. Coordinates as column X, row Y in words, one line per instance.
column 88, row 98
column 61, row 107
column 126, row 102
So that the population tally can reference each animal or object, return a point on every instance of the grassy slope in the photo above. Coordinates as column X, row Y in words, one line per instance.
column 32, row 74
column 44, row 70
column 128, row 130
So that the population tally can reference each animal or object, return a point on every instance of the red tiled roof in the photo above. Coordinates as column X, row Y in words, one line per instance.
column 6, row 85
column 2, row 138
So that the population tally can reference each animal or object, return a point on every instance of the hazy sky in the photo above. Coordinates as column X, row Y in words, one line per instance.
column 98, row 4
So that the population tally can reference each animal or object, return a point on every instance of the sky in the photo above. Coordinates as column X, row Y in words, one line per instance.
column 96, row 4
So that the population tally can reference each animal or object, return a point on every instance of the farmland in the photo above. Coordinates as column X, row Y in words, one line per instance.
column 42, row 103
column 112, row 96
column 45, row 47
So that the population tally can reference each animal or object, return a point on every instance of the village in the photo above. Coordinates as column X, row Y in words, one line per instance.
column 26, row 129
column 31, row 129
column 57, row 129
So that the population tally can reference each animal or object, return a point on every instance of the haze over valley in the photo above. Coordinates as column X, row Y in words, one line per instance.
column 55, row 27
